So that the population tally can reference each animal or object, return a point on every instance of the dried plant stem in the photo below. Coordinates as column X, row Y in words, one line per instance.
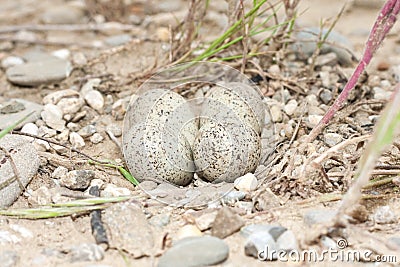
column 386, row 19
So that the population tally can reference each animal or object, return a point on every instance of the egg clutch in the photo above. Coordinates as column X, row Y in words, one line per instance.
column 164, row 139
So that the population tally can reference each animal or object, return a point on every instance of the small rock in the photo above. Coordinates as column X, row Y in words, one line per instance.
column 96, row 138
column 148, row 185
column 9, row 258
column 41, row 196
column 384, row 215
column 326, row 96
column 332, row 139
column 118, row 39
column 53, row 117
column 247, row 183
column 206, row 220
column 160, row 220
column 274, row 69
column 79, row 59
column 245, row 207
column 71, row 105
column 276, row 113
column 328, row 242
column 129, row 229
column 62, row 53
column 6, row 46
column 262, row 246
column 87, row 131
column 313, row 120
column 90, row 85
column 383, row 65
column 325, row 78
column 76, row 140
column 37, row 73
column 287, row 241
column 185, row 253
column 55, row 97
column 59, row 172
column 26, row 36
column 94, row 99
column 73, row 127
column 27, row 162
column 11, row 61
column 274, row 230
column 318, row 216
column 329, row 59
column 77, row 179
column 233, row 196
column 114, row 129
column 188, row 230
column 226, row 223
column 30, row 128
column 381, row 94
column 86, row 252
column 290, row 107
column 111, row 190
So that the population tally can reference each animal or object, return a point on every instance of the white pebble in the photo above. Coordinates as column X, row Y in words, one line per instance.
column 90, row 85
column 95, row 99
column 290, row 107
column 111, row 190
column 11, row 61
column 187, row 231
column 96, row 138
column 314, row 120
column 30, row 128
column 59, row 172
column 76, row 140
column 62, row 53
column 53, row 117
column 246, row 183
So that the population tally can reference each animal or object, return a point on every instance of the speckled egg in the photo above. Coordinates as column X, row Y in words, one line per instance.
column 161, row 155
column 164, row 109
column 226, row 151
column 234, row 103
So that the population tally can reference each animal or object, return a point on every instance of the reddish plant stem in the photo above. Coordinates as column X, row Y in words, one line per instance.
column 385, row 21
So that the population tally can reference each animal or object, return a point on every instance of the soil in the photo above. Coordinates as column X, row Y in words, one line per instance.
column 119, row 66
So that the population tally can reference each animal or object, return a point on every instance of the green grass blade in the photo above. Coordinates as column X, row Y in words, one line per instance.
column 121, row 169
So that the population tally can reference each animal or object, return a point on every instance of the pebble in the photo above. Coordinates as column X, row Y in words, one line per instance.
column 9, row 258
column 329, row 59
column 11, row 61
column 37, row 73
column 59, row 172
column 62, row 53
column 41, row 196
column 77, row 179
column 90, row 85
column 188, row 230
column 55, row 97
column 291, row 107
column 326, row 96
column 276, row 113
column 247, row 183
column 313, row 120
column 226, row 223
column 71, row 105
column 7, row 119
column 287, row 241
column 94, row 99
column 205, row 220
column 52, row 115
column 27, row 162
column 381, row 94
column 26, row 36
column 86, row 252
column 318, row 216
column 30, row 128
column 332, row 139
column 233, row 196
column 76, row 140
column 119, row 39
column 79, row 59
column 195, row 252
column 328, row 242
column 129, row 229
column 160, row 220
column 96, row 138
column 384, row 215
column 72, row 126
column 305, row 48
column 274, row 230
column 87, row 131
column 111, row 190
column 261, row 245
column 114, row 129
